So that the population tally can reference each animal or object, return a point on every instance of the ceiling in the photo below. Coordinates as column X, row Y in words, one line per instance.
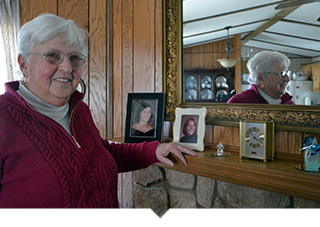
column 294, row 30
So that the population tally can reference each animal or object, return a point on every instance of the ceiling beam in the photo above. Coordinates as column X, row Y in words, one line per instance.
column 222, row 29
column 293, row 36
column 277, row 17
column 284, row 45
column 294, row 3
column 230, row 13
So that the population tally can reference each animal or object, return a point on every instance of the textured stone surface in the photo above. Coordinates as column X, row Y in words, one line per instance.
column 161, row 190
column 236, row 196
column 182, row 199
column 154, row 198
column 179, row 179
column 204, row 191
column 302, row 203
column 147, row 176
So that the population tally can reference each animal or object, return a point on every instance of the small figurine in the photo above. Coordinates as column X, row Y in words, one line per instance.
column 220, row 149
column 306, row 142
column 311, row 150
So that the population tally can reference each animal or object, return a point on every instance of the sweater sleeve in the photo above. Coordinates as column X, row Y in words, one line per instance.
column 132, row 156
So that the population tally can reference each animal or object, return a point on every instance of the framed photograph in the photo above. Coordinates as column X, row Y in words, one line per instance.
column 144, row 118
column 189, row 127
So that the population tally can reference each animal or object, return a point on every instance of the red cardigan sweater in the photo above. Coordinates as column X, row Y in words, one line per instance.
column 252, row 96
column 41, row 165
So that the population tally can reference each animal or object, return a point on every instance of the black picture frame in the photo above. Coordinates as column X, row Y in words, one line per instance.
column 151, row 105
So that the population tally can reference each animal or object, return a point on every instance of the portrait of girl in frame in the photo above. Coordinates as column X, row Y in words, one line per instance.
column 189, row 127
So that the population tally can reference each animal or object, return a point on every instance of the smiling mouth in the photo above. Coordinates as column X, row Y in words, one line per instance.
column 63, row 80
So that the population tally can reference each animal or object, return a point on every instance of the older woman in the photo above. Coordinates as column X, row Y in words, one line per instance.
column 51, row 153
column 269, row 77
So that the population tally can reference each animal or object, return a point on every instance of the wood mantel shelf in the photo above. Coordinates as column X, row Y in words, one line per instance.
column 278, row 175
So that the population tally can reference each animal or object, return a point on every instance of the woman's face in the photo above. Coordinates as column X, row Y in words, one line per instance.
column 190, row 128
column 145, row 114
column 274, row 85
column 53, row 84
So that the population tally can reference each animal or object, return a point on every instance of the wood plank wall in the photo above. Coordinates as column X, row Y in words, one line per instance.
column 137, row 64
column 205, row 56
column 137, row 49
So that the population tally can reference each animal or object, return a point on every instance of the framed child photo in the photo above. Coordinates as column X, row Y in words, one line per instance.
column 144, row 120
column 189, row 127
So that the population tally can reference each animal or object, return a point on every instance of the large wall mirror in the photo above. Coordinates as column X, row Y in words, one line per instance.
column 288, row 118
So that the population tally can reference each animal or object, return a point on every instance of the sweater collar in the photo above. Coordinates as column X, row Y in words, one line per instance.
column 284, row 98
column 12, row 87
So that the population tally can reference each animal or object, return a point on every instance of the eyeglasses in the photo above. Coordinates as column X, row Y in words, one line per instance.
column 55, row 57
column 281, row 74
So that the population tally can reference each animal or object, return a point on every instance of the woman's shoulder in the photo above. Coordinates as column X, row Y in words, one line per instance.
column 243, row 97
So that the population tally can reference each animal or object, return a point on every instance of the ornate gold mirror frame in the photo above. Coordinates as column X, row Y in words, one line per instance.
column 286, row 117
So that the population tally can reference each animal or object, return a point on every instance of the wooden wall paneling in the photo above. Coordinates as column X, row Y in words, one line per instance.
column 215, row 63
column 97, row 70
column 117, row 69
column 187, row 58
column 208, row 138
column 127, row 55
column 221, row 49
column 208, row 56
column 30, row 9
column 195, row 60
column 237, row 76
column 158, row 46
column 144, row 40
column 288, row 142
column 77, row 10
column 201, row 49
column 228, row 136
column 117, row 81
column 109, row 70
column 125, row 188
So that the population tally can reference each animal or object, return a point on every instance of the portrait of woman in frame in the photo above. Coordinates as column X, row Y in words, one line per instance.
column 144, row 118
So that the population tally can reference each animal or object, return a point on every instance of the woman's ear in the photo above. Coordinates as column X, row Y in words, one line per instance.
column 23, row 65
column 261, row 79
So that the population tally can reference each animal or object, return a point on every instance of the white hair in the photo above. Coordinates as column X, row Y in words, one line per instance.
column 262, row 63
column 47, row 26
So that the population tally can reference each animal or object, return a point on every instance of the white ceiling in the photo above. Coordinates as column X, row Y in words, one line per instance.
column 297, row 33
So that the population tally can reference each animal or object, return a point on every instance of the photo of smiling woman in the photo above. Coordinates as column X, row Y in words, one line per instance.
column 189, row 129
column 143, row 124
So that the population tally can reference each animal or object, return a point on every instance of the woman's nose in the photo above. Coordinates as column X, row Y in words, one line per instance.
column 65, row 65
column 286, row 78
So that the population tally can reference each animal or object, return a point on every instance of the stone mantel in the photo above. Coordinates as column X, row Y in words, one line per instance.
column 278, row 175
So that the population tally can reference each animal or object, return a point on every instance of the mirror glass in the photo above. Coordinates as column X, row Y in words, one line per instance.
column 249, row 27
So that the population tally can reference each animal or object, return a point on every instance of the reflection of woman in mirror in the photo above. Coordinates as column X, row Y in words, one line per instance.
column 189, row 131
column 144, row 118
column 269, row 77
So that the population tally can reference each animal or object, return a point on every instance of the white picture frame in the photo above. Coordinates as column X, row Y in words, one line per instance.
column 187, row 120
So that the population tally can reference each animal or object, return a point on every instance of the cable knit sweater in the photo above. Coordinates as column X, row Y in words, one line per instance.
column 42, row 165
